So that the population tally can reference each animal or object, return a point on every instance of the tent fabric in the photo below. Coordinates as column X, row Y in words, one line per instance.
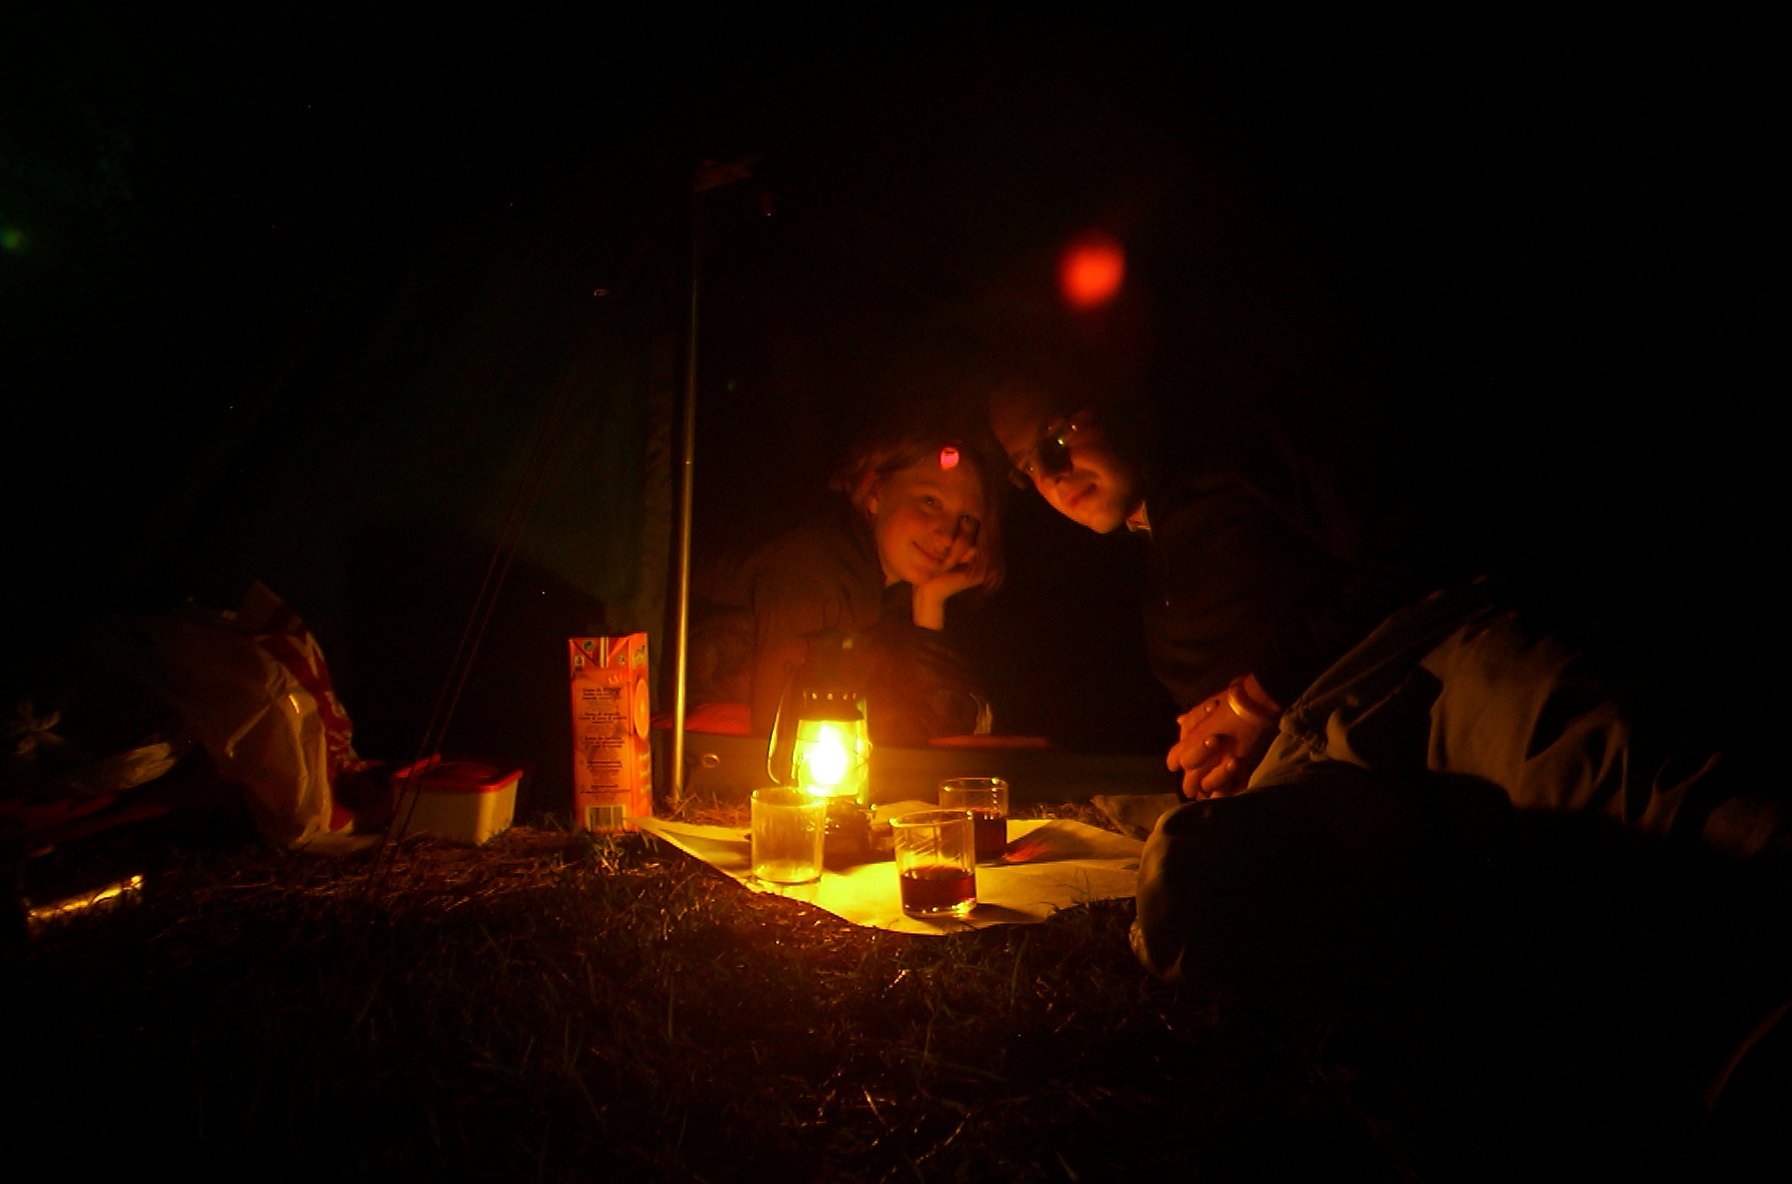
column 485, row 396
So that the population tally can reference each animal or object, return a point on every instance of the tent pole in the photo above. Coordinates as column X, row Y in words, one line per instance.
column 686, row 486
column 710, row 175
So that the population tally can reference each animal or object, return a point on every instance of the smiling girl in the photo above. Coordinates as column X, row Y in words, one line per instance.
column 917, row 526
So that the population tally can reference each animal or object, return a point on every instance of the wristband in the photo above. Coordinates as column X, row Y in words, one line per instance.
column 1242, row 706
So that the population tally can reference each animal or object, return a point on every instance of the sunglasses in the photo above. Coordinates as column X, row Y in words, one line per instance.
column 1051, row 455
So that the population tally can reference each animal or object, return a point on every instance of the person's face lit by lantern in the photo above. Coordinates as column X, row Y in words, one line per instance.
column 1067, row 458
column 925, row 517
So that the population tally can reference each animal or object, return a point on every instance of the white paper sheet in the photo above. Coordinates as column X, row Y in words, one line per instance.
column 1063, row 865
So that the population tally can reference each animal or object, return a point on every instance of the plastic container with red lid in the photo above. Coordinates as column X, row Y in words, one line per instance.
column 462, row 799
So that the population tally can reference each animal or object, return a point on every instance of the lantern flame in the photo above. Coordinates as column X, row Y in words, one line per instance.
column 825, row 761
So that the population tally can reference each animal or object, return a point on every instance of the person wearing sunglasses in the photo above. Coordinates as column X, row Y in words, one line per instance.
column 1411, row 754
column 1258, row 580
column 1293, row 628
column 1071, row 465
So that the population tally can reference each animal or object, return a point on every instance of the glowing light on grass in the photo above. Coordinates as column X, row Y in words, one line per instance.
column 12, row 239
column 41, row 915
column 1091, row 270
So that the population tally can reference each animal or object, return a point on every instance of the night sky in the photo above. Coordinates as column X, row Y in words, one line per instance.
column 1541, row 255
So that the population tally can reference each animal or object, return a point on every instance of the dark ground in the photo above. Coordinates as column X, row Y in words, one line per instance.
column 560, row 1007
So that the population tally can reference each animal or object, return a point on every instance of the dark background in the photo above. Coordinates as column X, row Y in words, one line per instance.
column 290, row 296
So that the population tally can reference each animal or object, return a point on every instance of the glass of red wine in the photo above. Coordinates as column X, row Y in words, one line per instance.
column 936, row 862
column 987, row 798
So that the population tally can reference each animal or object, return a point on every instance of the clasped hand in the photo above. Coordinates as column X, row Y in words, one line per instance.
column 1220, row 745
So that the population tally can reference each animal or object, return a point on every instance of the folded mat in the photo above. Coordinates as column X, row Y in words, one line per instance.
column 1051, row 864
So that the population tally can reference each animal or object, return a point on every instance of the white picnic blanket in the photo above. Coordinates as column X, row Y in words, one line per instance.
column 1061, row 864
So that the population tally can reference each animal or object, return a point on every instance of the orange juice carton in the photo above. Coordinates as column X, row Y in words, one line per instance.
column 612, row 763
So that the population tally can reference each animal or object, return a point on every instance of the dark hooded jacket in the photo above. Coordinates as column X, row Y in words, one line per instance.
column 753, row 623
column 1268, row 562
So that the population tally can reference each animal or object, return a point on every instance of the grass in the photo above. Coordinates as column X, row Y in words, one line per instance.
column 559, row 1006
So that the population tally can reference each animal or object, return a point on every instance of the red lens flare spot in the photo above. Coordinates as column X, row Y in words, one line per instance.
column 948, row 458
column 1091, row 270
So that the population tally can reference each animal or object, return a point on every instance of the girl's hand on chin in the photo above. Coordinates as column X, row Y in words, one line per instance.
column 930, row 597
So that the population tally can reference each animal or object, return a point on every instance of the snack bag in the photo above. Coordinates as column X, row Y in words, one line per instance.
column 612, row 763
column 253, row 685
